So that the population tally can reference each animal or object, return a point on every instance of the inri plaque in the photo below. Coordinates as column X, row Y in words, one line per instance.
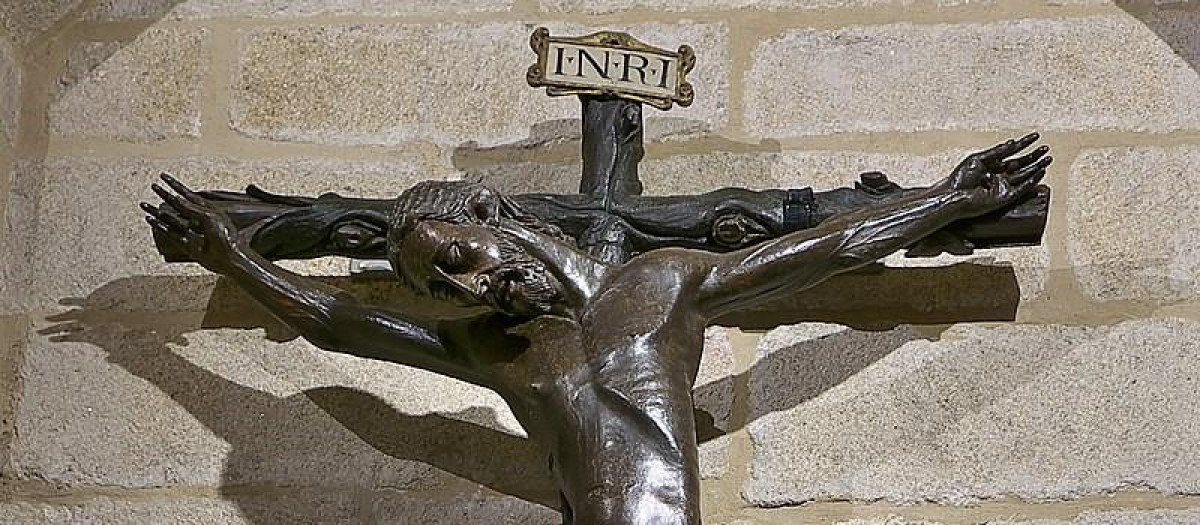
column 612, row 64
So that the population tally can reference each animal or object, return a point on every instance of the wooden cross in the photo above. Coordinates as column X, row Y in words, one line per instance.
column 613, row 75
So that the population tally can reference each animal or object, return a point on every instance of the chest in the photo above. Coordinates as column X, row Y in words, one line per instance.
column 636, row 307
column 646, row 335
column 637, row 326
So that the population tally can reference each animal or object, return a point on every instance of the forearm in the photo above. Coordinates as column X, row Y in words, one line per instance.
column 303, row 304
column 873, row 233
column 334, row 320
column 802, row 259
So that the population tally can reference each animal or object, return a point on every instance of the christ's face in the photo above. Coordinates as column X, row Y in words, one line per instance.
column 472, row 265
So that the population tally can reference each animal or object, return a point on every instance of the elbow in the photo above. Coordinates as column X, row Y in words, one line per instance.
column 323, row 339
column 319, row 333
column 318, row 326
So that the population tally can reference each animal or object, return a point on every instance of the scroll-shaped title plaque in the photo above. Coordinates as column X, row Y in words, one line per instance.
column 614, row 64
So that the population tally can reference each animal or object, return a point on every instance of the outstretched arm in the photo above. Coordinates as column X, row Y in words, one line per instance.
column 983, row 183
column 327, row 317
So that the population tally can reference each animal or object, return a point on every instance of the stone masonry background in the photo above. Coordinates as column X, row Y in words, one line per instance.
column 136, row 392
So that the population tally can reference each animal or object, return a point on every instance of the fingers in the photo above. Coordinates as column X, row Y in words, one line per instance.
column 1035, row 170
column 1026, row 181
column 1029, row 186
column 1027, row 140
column 183, row 206
column 275, row 198
column 186, row 238
column 179, row 188
column 171, row 226
column 996, row 152
column 1034, row 178
column 159, row 227
column 1009, row 148
column 188, row 203
column 169, row 219
column 1013, row 165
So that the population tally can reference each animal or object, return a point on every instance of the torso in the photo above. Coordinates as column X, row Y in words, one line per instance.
column 609, row 395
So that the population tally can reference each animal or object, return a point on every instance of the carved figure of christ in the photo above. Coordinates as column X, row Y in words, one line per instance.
column 611, row 403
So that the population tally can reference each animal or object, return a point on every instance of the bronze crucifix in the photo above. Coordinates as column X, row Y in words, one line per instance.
column 630, row 282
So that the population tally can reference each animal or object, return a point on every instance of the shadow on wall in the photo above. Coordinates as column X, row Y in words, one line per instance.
column 256, row 424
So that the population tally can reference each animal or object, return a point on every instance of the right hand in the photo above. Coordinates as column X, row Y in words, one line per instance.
column 198, row 228
column 992, row 181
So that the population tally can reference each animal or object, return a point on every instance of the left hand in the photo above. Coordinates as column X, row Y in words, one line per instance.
column 200, row 229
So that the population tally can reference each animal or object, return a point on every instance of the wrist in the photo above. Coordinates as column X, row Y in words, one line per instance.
column 237, row 258
column 942, row 186
column 969, row 203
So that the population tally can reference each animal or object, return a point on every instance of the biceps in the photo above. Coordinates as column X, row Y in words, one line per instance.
column 741, row 280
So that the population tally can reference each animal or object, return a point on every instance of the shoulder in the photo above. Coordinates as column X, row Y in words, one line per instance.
column 678, row 263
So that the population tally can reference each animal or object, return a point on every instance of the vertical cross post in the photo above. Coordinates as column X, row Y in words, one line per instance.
column 613, row 74
column 612, row 148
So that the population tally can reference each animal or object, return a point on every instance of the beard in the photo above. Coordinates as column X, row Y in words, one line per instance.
column 530, row 280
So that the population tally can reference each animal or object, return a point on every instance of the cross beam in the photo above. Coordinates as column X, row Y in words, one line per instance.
column 609, row 217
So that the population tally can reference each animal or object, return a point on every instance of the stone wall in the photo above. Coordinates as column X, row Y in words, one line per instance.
column 132, row 391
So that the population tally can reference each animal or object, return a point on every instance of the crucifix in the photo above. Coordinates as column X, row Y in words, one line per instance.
column 629, row 282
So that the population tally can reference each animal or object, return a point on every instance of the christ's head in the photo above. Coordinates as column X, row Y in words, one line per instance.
column 445, row 240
